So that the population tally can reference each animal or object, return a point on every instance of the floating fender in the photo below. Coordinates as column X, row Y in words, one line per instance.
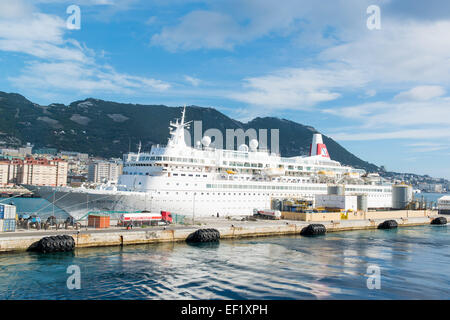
column 62, row 243
column 388, row 224
column 204, row 235
column 439, row 220
column 313, row 230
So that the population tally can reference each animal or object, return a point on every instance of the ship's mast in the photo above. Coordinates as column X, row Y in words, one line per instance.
column 177, row 131
column 139, row 149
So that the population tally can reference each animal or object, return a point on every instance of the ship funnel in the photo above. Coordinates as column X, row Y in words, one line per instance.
column 318, row 148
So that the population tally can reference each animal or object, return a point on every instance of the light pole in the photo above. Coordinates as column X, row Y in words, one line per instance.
column 193, row 209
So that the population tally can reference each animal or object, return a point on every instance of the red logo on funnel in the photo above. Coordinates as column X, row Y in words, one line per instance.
column 322, row 150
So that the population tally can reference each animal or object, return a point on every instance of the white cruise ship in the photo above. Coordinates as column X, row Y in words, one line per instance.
column 205, row 181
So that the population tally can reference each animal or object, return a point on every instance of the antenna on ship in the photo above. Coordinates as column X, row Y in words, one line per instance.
column 182, row 114
column 139, row 148
column 177, row 130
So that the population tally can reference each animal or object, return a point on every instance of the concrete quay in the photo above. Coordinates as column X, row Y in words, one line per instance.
column 229, row 229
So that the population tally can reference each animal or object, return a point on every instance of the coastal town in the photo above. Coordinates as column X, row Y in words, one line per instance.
column 51, row 167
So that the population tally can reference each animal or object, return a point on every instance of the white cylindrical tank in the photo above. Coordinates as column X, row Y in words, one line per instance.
column 336, row 190
column 361, row 202
column 402, row 195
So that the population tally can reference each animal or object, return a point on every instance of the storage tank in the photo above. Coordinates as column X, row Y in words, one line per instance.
column 402, row 195
column 276, row 204
column 338, row 190
column 361, row 202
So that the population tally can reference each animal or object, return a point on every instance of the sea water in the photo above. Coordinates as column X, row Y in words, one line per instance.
column 412, row 263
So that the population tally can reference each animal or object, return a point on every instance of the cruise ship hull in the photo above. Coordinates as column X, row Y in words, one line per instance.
column 79, row 202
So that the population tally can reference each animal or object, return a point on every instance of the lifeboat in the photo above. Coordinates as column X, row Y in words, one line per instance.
column 326, row 173
column 275, row 172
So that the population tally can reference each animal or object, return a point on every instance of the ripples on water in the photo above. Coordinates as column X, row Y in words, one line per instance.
column 414, row 265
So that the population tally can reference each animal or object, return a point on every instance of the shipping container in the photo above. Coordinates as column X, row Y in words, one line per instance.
column 9, row 225
column 336, row 201
column 7, row 211
column 98, row 221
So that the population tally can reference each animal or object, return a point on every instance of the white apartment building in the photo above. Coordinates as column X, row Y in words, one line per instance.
column 104, row 171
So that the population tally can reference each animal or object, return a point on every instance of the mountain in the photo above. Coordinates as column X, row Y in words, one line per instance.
column 109, row 129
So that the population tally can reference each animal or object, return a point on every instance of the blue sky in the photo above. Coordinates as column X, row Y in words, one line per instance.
column 383, row 94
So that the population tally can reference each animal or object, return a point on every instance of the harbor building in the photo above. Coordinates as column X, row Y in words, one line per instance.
column 103, row 171
column 4, row 173
column 45, row 151
column 444, row 205
column 26, row 150
column 32, row 171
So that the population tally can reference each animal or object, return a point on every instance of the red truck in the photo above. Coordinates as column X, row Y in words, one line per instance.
column 145, row 218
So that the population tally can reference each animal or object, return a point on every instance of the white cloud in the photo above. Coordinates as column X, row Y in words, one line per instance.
column 11, row 9
column 360, row 135
column 401, row 52
column 60, row 63
column 408, row 113
column 23, row 29
column 421, row 93
column 200, row 29
column 225, row 24
column 370, row 93
column 299, row 88
column 427, row 146
column 83, row 78
column 193, row 81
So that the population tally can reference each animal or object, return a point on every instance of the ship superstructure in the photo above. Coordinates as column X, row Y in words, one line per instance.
column 203, row 180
